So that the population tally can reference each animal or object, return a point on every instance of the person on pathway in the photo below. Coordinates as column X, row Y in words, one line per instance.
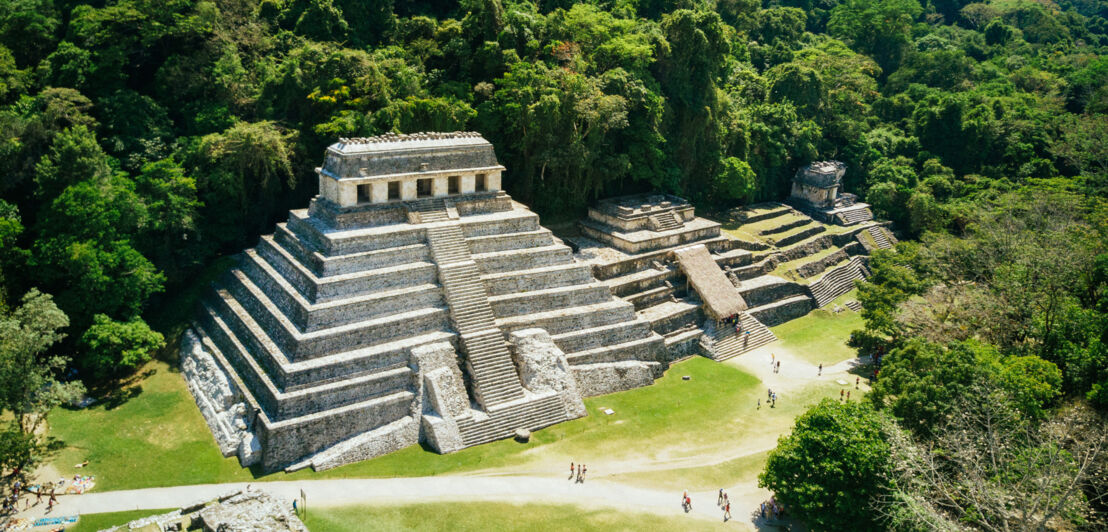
column 763, row 509
column 578, row 472
column 848, row 395
column 841, row 394
column 772, row 358
column 53, row 500
column 769, row 393
column 759, row 404
column 778, row 369
column 571, row 470
column 857, row 381
column 820, row 370
column 584, row 470
column 719, row 500
column 726, row 512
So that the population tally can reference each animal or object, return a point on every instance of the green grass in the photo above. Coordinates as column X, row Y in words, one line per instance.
column 820, row 337
column 156, row 436
column 483, row 516
column 94, row 522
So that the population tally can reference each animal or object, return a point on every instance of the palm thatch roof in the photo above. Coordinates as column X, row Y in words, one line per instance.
column 721, row 298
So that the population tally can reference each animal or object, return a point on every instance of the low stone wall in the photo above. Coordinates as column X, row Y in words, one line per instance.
column 786, row 226
column 523, row 259
column 794, row 238
column 530, row 303
column 600, row 379
column 510, row 241
column 618, row 333
column 766, row 294
column 784, row 310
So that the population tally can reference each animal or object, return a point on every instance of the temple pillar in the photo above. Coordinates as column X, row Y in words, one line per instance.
column 348, row 194
column 408, row 189
column 468, row 184
column 493, row 181
column 379, row 191
column 439, row 186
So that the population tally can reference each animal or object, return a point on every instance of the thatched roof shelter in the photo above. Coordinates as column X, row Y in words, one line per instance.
column 721, row 298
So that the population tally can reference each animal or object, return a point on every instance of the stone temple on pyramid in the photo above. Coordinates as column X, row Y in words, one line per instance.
column 412, row 302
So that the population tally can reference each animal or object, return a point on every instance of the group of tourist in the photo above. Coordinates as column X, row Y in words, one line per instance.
column 772, row 507
column 11, row 501
column 724, row 504
column 579, row 472
column 771, row 398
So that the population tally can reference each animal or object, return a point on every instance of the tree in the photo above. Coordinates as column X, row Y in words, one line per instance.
column 880, row 29
column 113, row 348
column 1033, row 383
column 988, row 468
column 74, row 156
column 29, row 388
column 921, row 382
column 835, row 459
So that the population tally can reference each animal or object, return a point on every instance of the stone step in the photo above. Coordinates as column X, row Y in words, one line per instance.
column 640, row 280
column 520, row 259
column 647, row 348
column 501, row 423
column 593, row 337
column 285, row 441
column 787, row 226
column 774, row 212
column 540, row 278
column 783, row 310
column 332, row 242
column 673, row 315
column 800, row 235
column 311, row 317
column 727, row 343
column 299, row 345
column 651, row 296
column 564, row 320
column 321, row 289
column 510, row 241
column 550, row 299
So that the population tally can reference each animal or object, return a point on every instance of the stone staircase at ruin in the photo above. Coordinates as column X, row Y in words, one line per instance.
column 495, row 379
column 664, row 221
column 504, row 419
column 723, row 342
column 837, row 281
column 880, row 237
column 854, row 216
column 429, row 210
column 854, row 305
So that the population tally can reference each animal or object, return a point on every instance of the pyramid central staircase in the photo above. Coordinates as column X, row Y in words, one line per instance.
column 494, row 376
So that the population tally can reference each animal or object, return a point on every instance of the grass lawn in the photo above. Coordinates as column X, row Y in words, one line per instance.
column 480, row 516
column 155, row 435
column 94, row 522
column 820, row 337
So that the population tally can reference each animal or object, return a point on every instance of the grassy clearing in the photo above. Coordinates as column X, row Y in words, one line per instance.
column 820, row 337
column 154, row 435
column 479, row 516
column 94, row 522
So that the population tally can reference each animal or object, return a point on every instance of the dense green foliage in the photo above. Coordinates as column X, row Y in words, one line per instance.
column 138, row 139
column 837, row 455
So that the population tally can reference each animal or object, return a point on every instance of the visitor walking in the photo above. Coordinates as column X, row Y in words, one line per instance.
column 820, row 370
column 584, row 471
column 848, row 395
column 571, row 470
column 719, row 500
column 841, row 394
column 857, row 381
column 726, row 512
column 759, row 404
column 778, row 369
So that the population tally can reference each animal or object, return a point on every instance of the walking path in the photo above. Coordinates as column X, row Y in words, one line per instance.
column 392, row 491
column 533, row 483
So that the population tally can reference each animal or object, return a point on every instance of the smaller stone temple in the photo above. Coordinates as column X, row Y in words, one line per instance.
column 646, row 222
column 817, row 190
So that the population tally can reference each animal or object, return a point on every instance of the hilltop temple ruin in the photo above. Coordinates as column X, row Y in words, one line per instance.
column 414, row 301
column 817, row 190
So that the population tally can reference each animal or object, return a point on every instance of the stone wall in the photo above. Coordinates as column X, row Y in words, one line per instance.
column 221, row 403
column 785, row 310
column 600, row 379
column 543, row 368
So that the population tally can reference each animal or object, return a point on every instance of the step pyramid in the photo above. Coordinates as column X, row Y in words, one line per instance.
column 367, row 323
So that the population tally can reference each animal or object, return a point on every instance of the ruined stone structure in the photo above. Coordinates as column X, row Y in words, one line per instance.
column 412, row 301
column 248, row 510
column 682, row 276
column 817, row 190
